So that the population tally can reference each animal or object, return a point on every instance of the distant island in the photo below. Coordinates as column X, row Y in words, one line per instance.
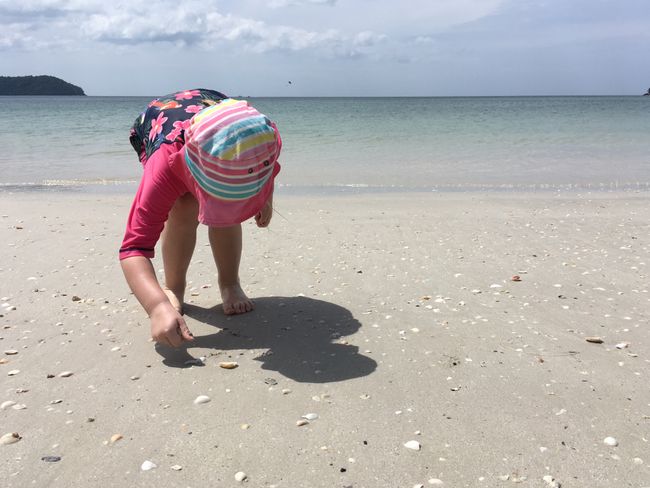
column 37, row 85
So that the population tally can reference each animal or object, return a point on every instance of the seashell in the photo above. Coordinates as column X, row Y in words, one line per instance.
column 177, row 467
column 116, row 437
column 4, row 360
column 515, row 278
column 240, row 476
column 10, row 438
column 7, row 404
column 11, row 352
column 245, row 426
column 55, row 402
column 594, row 340
column 302, row 422
column 228, row 364
column 19, row 406
column 610, row 441
column 13, row 372
column 201, row 399
column 310, row 416
column 65, row 374
column 51, row 459
column 622, row 345
column 148, row 466
column 415, row 445
column 436, row 482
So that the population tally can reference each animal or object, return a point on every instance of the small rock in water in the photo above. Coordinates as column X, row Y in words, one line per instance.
column 65, row 374
column 201, row 399
column 594, row 340
column 415, row 445
column 51, row 459
column 228, row 364
column 148, row 466
column 240, row 476
column 610, row 441
column 10, row 438
column 310, row 416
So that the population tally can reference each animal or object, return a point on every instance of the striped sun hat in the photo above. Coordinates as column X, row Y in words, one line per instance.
column 231, row 150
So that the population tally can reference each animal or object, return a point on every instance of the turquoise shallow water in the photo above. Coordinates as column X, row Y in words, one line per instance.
column 379, row 143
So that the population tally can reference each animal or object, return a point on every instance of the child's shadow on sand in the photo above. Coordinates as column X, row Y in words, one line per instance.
column 299, row 333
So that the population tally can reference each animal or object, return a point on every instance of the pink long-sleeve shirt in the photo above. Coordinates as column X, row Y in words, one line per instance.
column 166, row 178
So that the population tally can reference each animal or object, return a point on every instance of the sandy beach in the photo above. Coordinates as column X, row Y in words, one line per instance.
column 392, row 318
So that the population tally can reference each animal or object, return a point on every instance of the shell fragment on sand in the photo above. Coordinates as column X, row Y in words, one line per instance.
column 240, row 476
column 228, row 364
column 10, row 438
column 594, row 340
column 148, row 466
column 414, row 445
column 610, row 441
column 201, row 399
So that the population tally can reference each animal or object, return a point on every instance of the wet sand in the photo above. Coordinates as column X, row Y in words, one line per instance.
column 393, row 318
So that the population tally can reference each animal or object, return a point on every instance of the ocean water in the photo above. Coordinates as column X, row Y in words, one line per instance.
column 343, row 143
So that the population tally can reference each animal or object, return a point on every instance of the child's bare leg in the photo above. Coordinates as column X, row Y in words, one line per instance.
column 226, row 243
column 178, row 241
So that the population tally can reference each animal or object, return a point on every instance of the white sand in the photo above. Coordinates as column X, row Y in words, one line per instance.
column 366, row 306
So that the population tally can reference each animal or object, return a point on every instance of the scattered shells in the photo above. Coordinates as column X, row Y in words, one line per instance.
column 65, row 374
column 201, row 399
column 116, row 437
column 13, row 372
column 594, row 340
column 228, row 364
column 415, row 445
column 148, row 466
column 610, row 441
column 240, row 476
column 10, row 438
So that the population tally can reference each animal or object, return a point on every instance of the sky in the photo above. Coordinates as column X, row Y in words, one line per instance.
column 332, row 47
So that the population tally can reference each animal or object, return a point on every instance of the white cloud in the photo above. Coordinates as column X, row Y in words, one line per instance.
column 286, row 3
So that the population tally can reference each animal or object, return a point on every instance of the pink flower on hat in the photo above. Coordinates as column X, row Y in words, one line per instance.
column 187, row 94
column 157, row 125
column 193, row 109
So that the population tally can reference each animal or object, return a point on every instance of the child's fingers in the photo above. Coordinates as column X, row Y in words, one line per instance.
column 184, row 331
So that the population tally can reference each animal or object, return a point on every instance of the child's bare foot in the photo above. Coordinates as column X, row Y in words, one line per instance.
column 235, row 300
column 175, row 300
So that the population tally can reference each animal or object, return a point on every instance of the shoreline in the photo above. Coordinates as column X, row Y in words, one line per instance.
column 130, row 187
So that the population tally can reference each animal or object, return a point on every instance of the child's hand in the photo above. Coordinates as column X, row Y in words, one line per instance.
column 263, row 218
column 168, row 326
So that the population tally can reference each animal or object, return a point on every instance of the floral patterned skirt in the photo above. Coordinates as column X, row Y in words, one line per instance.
column 166, row 118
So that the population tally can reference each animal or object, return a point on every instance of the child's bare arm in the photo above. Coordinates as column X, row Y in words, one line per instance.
column 167, row 325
